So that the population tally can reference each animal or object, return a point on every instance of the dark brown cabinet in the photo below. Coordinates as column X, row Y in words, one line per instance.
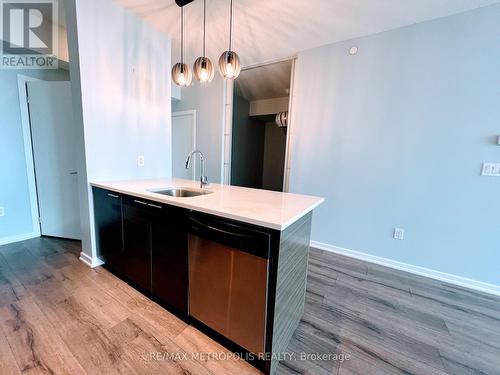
column 136, row 258
column 247, row 282
column 170, row 257
column 108, row 223
column 145, row 243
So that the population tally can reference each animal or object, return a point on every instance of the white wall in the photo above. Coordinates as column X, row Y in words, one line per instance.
column 121, row 86
column 268, row 106
column 208, row 100
column 17, row 222
column 395, row 137
column 62, row 52
column 14, row 188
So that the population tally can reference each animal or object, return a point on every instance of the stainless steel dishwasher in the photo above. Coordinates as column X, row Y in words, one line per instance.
column 228, row 269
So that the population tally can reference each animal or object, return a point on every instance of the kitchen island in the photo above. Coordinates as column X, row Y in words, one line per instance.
column 232, row 261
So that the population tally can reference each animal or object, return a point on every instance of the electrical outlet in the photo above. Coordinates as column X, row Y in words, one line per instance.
column 2, row 211
column 486, row 171
column 140, row 161
column 496, row 170
column 399, row 234
column 491, row 169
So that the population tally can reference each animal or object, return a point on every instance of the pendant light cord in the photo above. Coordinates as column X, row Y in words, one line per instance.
column 230, row 24
column 182, row 35
column 204, row 25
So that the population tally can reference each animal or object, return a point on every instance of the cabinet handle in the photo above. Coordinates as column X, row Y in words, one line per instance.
column 154, row 205
column 113, row 195
column 140, row 202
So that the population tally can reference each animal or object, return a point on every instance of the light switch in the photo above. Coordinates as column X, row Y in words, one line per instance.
column 486, row 169
column 491, row 169
column 140, row 161
column 399, row 234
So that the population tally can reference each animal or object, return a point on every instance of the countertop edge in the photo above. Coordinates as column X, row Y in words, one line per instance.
column 302, row 214
column 193, row 207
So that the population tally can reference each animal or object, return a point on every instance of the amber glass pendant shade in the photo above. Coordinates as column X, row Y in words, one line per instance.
column 229, row 61
column 203, row 69
column 182, row 75
column 229, row 65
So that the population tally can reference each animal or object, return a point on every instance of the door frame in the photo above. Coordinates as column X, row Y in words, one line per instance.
column 228, row 124
column 190, row 112
column 22, row 81
column 289, row 130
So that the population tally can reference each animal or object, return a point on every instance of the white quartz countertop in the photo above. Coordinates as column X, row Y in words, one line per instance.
column 265, row 208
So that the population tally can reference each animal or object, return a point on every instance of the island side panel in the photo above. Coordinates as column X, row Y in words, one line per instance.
column 290, row 284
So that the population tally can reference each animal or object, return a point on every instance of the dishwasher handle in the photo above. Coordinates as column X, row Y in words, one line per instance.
column 207, row 226
column 244, row 239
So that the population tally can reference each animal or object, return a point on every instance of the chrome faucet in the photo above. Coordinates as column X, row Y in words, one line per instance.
column 203, row 177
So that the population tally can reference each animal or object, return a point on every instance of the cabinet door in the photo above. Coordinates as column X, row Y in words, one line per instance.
column 170, row 257
column 136, row 258
column 108, row 225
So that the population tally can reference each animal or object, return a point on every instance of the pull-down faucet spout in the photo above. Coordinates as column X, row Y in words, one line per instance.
column 203, row 177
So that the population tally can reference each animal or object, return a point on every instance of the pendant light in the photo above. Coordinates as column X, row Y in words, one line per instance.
column 229, row 61
column 281, row 119
column 181, row 74
column 203, row 68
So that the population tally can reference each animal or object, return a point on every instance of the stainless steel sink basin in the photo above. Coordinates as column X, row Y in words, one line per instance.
column 181, row 192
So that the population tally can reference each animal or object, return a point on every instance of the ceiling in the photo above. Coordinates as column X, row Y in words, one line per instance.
column 265, row 82
column 265, row 30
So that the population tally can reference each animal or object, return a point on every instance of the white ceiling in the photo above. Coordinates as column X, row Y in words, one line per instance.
column 265, row 82
column 265, row 30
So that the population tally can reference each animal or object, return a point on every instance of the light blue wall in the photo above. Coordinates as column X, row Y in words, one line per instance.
column 121, row 90
column 395, row 136
column 14, row 196
column 208, row 101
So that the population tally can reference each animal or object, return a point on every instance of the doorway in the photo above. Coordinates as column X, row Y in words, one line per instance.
column 260, row 120
column 50, row 138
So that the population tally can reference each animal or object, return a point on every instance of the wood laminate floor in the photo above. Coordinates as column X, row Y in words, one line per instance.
column 57, row 316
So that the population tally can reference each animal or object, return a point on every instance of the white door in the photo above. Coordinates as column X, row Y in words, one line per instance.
column 183, row 142
column 54, row 137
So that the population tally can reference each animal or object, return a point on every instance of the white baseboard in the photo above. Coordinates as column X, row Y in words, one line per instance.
column 91, row 262
column 18, row 238
column 421, row 271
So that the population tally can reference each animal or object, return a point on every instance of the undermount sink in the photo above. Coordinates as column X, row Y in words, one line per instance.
column 181, row 192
